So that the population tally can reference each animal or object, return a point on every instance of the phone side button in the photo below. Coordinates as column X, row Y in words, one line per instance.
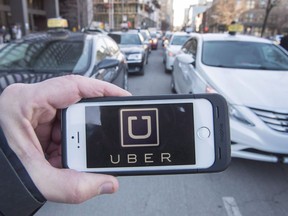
column 203, row 133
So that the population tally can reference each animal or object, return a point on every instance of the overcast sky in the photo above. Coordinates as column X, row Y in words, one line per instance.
column 179, row 10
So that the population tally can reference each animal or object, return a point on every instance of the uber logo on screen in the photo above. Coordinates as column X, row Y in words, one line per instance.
column 139, row 127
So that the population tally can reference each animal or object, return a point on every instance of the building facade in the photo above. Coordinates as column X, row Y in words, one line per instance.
column 137, row 13
column 167, row 15
column 29, row 15
column 250, row 13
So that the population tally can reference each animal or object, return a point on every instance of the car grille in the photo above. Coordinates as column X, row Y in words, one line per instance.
column 276, row 120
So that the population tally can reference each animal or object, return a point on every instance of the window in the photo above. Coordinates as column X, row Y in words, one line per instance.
column 244, row 55
column 101, row 50
column 250, row 4
column 179, row 40
column 190, row 47
column 46, row 55
column 113, row 47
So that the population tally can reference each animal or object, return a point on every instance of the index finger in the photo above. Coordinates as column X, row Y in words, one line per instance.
column 63, row 91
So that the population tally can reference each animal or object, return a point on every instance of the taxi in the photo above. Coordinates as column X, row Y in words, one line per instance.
column 252, row 74
column 59, row 52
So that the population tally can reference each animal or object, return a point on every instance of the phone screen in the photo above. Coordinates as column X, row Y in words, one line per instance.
column 139, row 135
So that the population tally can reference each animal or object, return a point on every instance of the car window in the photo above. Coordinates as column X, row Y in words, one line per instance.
column 179, row 40
column 190, row 47
column 102, row 50
column 113, row 47
column 52, row 55
column 130, row 39
column 244, row 55
column 186, row 46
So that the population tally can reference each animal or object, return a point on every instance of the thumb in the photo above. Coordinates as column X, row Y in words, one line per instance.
column 70, row 186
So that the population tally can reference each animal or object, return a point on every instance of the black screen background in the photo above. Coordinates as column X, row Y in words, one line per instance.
column 176, row 131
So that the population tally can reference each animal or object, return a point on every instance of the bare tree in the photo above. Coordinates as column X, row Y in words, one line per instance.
column 270, row 5
column 226, row 11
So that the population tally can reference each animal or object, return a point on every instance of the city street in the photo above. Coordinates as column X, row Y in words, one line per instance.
column 245, row 188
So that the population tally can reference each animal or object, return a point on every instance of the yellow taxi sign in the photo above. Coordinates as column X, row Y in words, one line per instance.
column 57, row 23
column 235, row 28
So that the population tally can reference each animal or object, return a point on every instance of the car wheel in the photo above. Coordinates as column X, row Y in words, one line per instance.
column 142, row 69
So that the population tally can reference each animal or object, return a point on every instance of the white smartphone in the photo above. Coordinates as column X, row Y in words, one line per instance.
column 147, row 135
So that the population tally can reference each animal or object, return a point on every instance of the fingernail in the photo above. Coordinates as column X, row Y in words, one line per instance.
column 106, row 188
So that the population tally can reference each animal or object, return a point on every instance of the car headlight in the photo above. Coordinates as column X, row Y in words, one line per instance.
column 136, row 56
column 237, row 115
column 233, row 111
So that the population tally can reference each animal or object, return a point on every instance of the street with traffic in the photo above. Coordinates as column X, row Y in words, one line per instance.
column 247, row 187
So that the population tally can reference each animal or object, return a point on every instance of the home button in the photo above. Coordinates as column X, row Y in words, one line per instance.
column 203, row 133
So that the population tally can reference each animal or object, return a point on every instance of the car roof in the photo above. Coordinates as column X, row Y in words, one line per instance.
column 125, row 32
column 58, row 35
column 226, row 36
column 180, row 33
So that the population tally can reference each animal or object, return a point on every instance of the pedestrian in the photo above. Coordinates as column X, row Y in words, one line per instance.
column 30, row 145
column 2, row 34
column 14, row 32
column 18, row 32
column 284, row 42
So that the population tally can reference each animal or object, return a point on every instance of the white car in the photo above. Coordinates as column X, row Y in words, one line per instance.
column 252, row 74
column 176, row 42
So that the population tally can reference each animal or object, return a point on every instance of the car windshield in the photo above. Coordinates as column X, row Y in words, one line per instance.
column 244, row 55
column 126, row 39
column 179, row 40
column 46, row 55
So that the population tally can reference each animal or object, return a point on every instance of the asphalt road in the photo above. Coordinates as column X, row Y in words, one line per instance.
column 245, row 188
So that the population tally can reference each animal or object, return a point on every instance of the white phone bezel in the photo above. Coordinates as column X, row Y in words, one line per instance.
column 76, row 148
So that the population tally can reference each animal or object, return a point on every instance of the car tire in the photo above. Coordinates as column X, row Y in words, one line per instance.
column 142, row 69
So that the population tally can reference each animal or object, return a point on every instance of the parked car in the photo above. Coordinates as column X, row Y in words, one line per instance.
column 136, row 51
column 40, row 56
column 252, row 74
column 173, row 47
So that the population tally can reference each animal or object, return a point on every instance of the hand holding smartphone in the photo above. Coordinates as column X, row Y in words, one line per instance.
column 147, row 135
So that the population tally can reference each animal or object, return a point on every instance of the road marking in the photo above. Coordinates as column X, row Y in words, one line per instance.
column 231, row 206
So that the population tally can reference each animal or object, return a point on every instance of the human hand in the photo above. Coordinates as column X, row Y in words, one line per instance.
column 30, row 119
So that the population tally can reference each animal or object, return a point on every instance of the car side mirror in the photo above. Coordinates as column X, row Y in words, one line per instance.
column 186, row 58
column 107, row 63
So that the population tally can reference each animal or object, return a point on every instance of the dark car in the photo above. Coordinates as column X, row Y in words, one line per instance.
column 136, row 51
column 40, row 56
